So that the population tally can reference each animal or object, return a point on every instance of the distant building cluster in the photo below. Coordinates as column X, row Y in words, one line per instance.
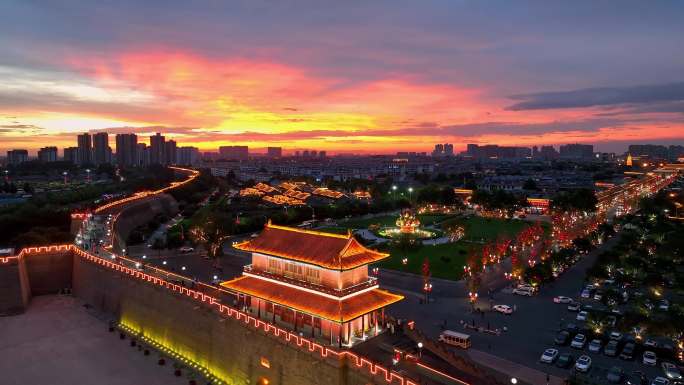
column 446, row 149
column 656, row 152
column 94, row 150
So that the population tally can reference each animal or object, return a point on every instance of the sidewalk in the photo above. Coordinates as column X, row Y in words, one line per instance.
column 522, row 373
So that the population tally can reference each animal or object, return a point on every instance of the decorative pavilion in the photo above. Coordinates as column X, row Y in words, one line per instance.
column 314, row 283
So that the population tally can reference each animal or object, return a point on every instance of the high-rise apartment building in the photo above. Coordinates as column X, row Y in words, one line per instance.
column 142, row 155
column 188, row 156
column 577, row 151
column 274, row 152
column 126, row 150
column 85, row 149
column 17, row 156
column 101, row 151
column 157, row 148
column 71, row 154
column 170, row 152
column 47, row 154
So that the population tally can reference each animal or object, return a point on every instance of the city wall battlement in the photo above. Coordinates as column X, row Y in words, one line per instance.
column 234, row 345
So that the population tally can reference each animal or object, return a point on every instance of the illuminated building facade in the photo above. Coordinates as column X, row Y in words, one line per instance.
column 314, row 283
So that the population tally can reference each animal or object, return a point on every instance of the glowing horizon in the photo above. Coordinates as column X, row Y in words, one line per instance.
column 230, row 78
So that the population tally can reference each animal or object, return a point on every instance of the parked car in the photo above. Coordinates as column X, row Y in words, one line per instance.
column 574, row 306
column 582, row 316
column 595, row 346
column 664, row 305
column 660, row 381
column 615, row 336
column 611, row 349
column 562, row 338
column 504, row 309
column 610, row 320
column 583, row 364
column 549, row 356
column 615, row 375
column 186, row 249
column 627, row 351
column 579, row 341
column 671, row 371
column 586, row 293
column 649, row 358
column 650, row 343
column 572, row 328
column 523, row 291
column 562, row 299
column 565, row 360
column 598, row 295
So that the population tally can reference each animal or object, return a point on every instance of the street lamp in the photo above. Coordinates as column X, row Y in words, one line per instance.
column 410, row 190
column 420, row 349
column 514, row 380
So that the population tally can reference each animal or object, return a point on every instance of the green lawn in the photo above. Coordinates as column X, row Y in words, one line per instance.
column 446, row 261
column 479, row 229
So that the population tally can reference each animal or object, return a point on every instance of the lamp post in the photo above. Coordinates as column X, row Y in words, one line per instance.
column 394, row 192
column 420, row 349
column 65, row 176
column 410, row 190
column 87, row 175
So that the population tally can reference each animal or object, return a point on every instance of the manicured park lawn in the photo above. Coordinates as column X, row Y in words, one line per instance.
column 446, row 260
column 479, row 229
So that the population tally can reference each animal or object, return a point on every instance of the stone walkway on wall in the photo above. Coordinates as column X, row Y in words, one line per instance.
column 59, row 342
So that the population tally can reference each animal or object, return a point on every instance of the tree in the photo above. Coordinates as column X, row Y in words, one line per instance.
column 530, row 184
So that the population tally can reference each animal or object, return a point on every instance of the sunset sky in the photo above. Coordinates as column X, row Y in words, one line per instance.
column 344, row 76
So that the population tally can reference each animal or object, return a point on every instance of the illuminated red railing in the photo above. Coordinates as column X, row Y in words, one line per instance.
column 144, row 194
column 286, row 336
column 282, row 334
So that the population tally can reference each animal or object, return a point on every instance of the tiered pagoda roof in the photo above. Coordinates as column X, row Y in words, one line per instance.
column 330, row 251
column 341, row 309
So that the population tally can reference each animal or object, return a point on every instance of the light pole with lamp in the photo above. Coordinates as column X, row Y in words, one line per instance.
column 420, row 349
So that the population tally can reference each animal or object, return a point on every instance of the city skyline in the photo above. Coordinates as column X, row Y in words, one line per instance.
column 369, row 79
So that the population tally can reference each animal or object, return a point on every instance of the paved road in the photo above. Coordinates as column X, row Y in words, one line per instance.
column 531, row 329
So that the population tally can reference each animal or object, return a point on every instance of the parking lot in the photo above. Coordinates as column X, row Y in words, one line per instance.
column 531, row 328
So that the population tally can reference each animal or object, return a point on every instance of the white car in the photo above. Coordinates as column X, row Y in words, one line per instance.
column 523, row 291
column 574, row 306
column 671, row 371
column 579, row 341
column 595, row 346
column 583, row 364
column 660, row 381
column 549, row 356
column 562, row 299
column 582, row 316
column 504, row 309
column 649, row 358
column 186, row 249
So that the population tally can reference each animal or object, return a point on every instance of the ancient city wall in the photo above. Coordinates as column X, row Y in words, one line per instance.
column 230, row 348
column 139, row 213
